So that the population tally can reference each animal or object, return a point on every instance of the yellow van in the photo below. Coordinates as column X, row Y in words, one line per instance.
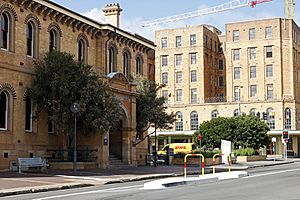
column 178, row 148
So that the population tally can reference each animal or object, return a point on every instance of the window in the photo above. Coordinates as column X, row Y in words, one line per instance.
column 252, row 71
column 220, row 67
column 251, row 33
column 269, row 71
column 252, row 52
column 28, row 115
column 236, row 54
column 164, row 42
column 252, row 112
column 194, row 120
column 237, row 73
column 126, row 64
column 165, row 94
column 269, row 52
column 253, row 90
column 178, row 41
column 139, row 65
column 221, row 81
column 236, row 35
column 179, row 122
column 193, row 40
column 179, row 95
column 5, row 31
column 54, row 40
column 214, row 114
column 178, row 77
column 270, row 91
column 193, row 95
column 288, row 119
column 4, row 100
column 193, row 76
column 271, row 118
column 165, row 78
column 268, row 32
column 82, row 47
column 164, row 61
column 50, row 123
column 178, row 60
column 193, row 58
column 112, row 66
column 30, row 37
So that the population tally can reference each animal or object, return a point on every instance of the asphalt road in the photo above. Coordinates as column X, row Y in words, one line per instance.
column 276, row 182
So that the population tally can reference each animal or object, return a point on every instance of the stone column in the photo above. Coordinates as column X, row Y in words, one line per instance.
column 126, row 146
column 103, row 151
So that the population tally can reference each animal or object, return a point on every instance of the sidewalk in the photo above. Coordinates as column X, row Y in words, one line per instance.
column 12, row 183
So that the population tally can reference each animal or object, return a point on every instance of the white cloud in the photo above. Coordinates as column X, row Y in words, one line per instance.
column 95, row 14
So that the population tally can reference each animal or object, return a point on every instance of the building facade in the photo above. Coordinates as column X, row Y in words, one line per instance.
column 256, row 72
column 29, row 29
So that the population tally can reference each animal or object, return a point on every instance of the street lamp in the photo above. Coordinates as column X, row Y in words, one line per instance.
column 238, row 91
column 75, row 109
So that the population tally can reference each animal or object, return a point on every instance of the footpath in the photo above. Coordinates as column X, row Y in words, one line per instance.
column 13, row 183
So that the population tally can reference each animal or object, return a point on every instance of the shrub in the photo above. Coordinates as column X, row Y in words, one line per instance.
column 246, row 152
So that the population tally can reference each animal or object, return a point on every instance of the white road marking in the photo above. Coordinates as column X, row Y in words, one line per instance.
column 128, row 188
column 272, row 173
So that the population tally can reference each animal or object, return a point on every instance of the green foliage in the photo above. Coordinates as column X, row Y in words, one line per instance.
column 150, row 107
column 207, row 153
column 60, row 81
column 246, row 152
column 245, row 131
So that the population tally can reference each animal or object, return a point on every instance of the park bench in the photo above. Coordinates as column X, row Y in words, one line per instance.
column 26, row 163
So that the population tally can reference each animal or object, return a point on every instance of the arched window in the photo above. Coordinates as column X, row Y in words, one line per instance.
column 236, row 112
column 81, row 50
column 271, row 118
column 30, row 39
column 194, row 120
column 252, row 112
column 126, row 64
column 5, row 31
column 54, row 40
column 179, row 122
column 28, row 115
column 214, row 114
column 288, row 119
column 139, row 66
column 112, row 56
column 4, row 100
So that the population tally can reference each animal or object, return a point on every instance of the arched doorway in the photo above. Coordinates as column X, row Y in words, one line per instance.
column 116, row 136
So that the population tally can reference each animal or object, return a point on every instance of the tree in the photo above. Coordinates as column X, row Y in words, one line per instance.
column 60, row 81
column 150, row 108
column 245, row 131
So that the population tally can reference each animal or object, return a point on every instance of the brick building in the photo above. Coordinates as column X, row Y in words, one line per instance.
column 30, row 28
column 253, row 68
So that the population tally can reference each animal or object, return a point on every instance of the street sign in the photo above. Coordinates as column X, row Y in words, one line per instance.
column 273, row 139
column 199, row 137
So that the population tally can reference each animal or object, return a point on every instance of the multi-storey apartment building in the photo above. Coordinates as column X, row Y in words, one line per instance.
column 29, row 29
column 256, row 72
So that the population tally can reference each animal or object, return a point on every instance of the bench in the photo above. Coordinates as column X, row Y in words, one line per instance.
column 26, row 163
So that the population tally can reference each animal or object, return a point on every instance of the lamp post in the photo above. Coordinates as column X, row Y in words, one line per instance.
column 75, row 109
column 238, row 90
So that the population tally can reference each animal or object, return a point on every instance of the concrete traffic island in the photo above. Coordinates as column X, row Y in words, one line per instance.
column 169, row 182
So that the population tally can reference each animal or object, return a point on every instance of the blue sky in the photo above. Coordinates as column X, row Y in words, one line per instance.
column 137, row 11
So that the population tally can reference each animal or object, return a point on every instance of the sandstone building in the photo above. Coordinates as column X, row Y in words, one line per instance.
column 29, row 29
column 253, row 68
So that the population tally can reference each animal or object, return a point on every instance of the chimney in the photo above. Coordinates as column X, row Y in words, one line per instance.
column 112, row 14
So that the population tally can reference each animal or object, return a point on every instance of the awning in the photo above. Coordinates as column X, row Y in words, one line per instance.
column 279, row 132
column 174, row 133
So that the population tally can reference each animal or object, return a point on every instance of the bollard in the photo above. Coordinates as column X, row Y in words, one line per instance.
column 184, row 164
column 214, row 162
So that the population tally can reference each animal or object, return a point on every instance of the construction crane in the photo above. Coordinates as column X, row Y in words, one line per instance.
column 206, row 11
column 290, row 9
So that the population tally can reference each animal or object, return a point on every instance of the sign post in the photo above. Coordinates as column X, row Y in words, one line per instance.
column 274, row 147
column 199, row 140
column 285, row 140
column 226, row 150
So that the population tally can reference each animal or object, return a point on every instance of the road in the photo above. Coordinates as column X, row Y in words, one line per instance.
column 276, row 182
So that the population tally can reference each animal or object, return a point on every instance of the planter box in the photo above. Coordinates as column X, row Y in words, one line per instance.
column 243, row 159
column 195, row 161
